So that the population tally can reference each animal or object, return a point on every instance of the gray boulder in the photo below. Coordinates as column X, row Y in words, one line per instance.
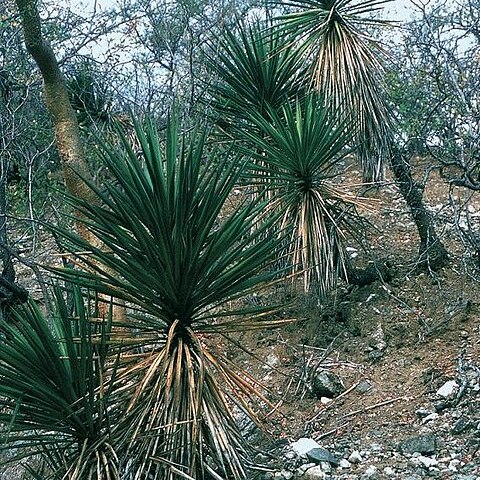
column 321, row 455
column 425, row 444
column 327, row 384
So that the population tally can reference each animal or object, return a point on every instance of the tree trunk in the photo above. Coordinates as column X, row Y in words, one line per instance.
column 432, row 253
column 67, row 132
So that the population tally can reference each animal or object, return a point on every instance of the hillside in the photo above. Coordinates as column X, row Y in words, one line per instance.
column 394, row 345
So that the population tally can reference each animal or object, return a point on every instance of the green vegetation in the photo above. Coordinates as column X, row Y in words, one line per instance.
column 123, row 373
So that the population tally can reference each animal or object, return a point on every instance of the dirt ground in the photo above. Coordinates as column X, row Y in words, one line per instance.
column 428, row 322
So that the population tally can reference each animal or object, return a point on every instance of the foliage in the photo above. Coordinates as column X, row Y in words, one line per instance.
column 89, row 94
column 300, row 151
column 53, row 386
column 183, row 263
column 253, row 73
column 436, row 91
column 347, row 68
column 296, row 141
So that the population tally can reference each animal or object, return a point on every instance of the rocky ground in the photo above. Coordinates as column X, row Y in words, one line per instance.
column 401, row 360
column 376, row 382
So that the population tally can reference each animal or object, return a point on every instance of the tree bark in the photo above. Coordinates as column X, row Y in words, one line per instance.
column 432, row 253
column 67, row 132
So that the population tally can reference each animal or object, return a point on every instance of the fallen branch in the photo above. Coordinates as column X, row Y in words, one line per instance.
column 330, row 432
column 371, row 407
column 333, row 402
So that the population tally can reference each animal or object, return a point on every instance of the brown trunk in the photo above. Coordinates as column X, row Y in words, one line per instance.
column 67, row 133
column 432, row 253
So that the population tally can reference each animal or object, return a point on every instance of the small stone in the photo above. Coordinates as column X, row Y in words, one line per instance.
column 287, row 474
column 320, row 455
column 303, row 468
column 422, row 444
column 423, row 412
column 427, row 461
column 389, row 471
column 441, row 406
column 376, row 355
column 448, row 389
column 271, row 361
column 327, row 384
column 355, row 457
column 429, row 418
column 363, row 387
column 453, row 464
column 376, row 447
column 325, row 400
column 377, row 340
column 326, row 467
column 344, row 463
column 371, row 472
column 315, row 473
column 304, row 445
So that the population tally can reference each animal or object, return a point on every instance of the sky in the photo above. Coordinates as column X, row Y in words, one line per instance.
column 397, row 10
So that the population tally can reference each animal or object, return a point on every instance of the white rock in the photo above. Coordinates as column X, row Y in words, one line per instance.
column 448, row 389
column 370, row 471
column 344, row 463
column 389, row 471
column 271, row 361
column 452, row 466
column 429, row 418
column 423, row 412
column 427, row 461
column 378, row 338
column 304, row 445
column 355, row 457
column 315, row 473
column 287, row 474
column 303, row 468
column 326, row 467
column 325, row 400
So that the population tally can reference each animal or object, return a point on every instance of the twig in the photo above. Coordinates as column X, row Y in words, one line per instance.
column 330, row 432
column 371, row 407
column 346, row 392
column 280, row 402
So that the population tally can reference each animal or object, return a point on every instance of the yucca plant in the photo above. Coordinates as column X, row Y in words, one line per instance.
column 300, row 150
column 183, row 264
column 56, row 405
column 346, row 67
column 296, row 140
column 254, row 71
column 89, row 95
